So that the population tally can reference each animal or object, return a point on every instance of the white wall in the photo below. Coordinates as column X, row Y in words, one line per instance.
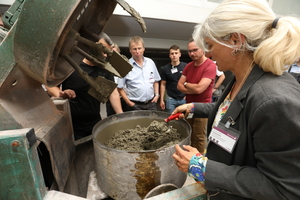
column 6, row 2
column 190, row 11
column 193, row 11
column 152, row 42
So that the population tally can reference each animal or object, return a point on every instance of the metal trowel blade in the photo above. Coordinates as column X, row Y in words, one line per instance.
column 103, row 89
column 120, row 64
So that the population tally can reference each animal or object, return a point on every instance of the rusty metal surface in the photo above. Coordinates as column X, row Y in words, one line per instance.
column 40, row 28
column 25, row 104
column 31, row 55
column 59, row 142
column 133, row 13
column 38, row 48
column 131, row 175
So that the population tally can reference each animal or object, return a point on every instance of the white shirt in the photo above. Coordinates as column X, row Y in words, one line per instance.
column 139, row 82
column 295, row 68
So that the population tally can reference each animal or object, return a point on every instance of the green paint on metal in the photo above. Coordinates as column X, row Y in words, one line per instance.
column 7, row 60
column 12, row 14
column 36, row 48
column 20, row 172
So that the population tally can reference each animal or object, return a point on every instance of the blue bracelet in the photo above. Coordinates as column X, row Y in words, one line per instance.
column 197, row 167
column 193, row 108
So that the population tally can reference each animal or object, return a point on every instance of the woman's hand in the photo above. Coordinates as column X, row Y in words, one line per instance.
column 185, row 108
column 191, row 162
column 182, row 157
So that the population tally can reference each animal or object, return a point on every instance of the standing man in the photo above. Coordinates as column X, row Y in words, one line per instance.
column 85, row 109
column 141, row 83
column 220, row 77
column 218, row 87
column 170, row 74
column 197, row 82
column 295, row 68
column 109, row 109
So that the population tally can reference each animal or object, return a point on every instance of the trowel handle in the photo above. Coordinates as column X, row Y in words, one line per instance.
column 172, row 117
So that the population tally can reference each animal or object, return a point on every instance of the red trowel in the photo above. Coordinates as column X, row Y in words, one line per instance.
column 171, row 117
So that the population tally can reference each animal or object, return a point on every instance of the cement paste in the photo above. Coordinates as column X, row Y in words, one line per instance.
column 153, row 137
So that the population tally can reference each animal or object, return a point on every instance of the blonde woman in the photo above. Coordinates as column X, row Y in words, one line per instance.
column 254, row 128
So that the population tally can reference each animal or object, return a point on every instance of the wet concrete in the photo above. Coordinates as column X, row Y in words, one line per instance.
column 153, row 137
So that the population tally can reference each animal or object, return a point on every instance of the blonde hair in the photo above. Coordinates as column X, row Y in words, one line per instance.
column 136, row 39
column 273, row 47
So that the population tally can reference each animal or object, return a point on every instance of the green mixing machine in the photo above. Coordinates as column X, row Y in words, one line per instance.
column 42, row 43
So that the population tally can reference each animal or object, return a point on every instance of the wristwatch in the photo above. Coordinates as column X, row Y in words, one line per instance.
column 185, row 83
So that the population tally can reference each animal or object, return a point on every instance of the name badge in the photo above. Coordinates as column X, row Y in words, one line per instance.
column 174, row 70
column 190, row 116
column 226, row 138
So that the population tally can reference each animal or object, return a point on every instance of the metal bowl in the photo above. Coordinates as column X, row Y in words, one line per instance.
column 129, row 175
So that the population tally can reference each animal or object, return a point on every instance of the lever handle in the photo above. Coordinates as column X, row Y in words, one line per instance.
column 172, row 117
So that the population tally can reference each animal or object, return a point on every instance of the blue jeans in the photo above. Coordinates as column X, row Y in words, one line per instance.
column 171, row 103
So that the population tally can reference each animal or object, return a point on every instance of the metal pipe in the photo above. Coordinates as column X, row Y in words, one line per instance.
column 89, row 57
column 81, row 73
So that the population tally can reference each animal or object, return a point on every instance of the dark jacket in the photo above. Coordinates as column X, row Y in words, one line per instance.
column 265, row 162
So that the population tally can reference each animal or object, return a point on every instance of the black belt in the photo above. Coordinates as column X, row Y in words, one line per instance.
column 139, row 102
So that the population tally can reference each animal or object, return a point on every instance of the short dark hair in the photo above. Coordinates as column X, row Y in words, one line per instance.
column 191, row 40
column 106, row 38
column 174, row 47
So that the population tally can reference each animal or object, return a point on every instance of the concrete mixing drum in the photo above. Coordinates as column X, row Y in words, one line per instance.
column 129, row 175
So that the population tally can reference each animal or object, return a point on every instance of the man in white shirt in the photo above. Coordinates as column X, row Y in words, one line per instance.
column 295, row 68
column 142, row 82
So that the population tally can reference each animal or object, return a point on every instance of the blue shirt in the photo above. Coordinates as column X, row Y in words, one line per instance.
column 139, row 81
column 294, row 68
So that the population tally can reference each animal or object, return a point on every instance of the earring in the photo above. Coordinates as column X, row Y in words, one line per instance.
column 235, row 52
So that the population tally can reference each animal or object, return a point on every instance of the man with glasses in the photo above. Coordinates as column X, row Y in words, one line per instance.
column 197, row 83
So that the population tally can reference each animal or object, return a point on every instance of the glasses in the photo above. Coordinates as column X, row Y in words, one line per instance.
column 193, row 50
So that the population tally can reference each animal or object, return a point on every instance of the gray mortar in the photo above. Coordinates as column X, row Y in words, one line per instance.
column 153, row 137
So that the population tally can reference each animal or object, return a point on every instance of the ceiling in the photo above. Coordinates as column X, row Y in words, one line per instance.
column 126, row 26
column 160, row 35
